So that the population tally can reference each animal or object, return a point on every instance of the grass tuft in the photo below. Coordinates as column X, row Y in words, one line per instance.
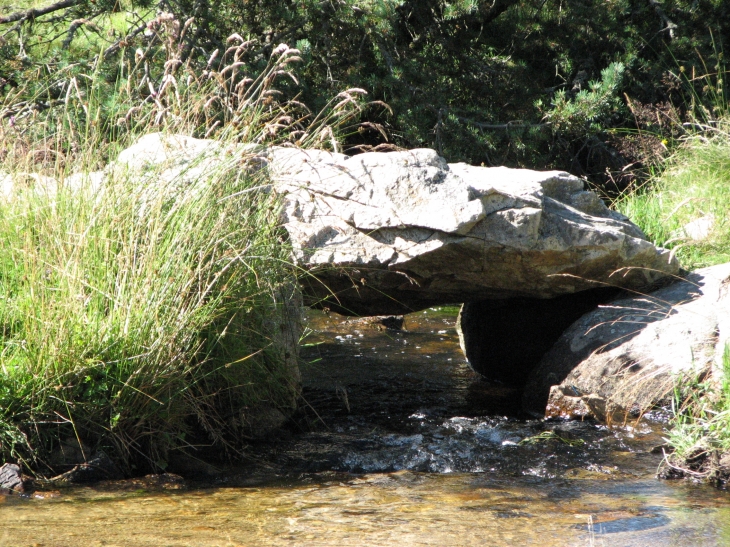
column 686, row 207
column 137, row 318
column 700, row 435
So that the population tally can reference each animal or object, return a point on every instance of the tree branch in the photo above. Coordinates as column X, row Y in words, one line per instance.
column 669, row 25
column 516, row 124
column 123, row 42
column 37, row 12
column 75, row 25
column 509, row 125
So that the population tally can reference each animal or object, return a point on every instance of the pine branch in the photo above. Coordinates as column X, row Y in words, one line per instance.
column 31, row 14
column 669, row 25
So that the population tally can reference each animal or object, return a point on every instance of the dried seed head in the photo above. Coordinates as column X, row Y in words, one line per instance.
column 231, row 67
column 209, row 102
column 280, row 50
column 212, row 57
column 355, row 91
column 292, row 59
column 241, row 86
column 287, row 73
column 172, row 64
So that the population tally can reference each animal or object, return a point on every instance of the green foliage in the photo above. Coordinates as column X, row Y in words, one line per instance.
column 687, row 206
column 589, row 109
column 516, row 82
column 467, row 77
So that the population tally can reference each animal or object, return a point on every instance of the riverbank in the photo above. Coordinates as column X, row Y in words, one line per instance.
column 686, row 208
column 149, row 318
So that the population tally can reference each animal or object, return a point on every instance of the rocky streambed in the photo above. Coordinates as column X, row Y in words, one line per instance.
column 398, row 442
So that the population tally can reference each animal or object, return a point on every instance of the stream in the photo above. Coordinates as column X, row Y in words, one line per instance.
column 398, row 443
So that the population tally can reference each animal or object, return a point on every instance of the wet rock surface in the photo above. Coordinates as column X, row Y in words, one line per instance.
column 711, row 466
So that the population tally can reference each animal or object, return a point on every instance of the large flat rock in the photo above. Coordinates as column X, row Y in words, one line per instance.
column 395, row 232
column 390, row 233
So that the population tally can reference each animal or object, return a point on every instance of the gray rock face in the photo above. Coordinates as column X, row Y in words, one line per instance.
column 11, row 479
column 624, row 357
column 390, row 233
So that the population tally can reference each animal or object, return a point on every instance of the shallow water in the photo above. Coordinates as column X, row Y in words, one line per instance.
column 400, row 444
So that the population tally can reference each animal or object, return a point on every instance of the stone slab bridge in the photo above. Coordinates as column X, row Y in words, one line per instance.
column 527, row 252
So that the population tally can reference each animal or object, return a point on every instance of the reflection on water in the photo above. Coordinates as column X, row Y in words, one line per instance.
column 400, row 444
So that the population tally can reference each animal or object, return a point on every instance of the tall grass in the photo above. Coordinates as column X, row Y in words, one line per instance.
column 136, row 320
column 148, row 315
column 686, row 207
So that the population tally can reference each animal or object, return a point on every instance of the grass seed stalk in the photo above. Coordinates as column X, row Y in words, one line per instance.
column 142, row 317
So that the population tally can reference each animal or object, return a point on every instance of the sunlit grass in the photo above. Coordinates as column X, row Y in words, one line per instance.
column 143, row 316
column 146, row 315
column 687, row 206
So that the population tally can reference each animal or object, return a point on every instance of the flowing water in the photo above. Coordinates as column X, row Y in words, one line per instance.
column 399, row 443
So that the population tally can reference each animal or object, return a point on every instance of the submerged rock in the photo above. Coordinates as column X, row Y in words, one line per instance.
column 626, row 356
column 380, row 322
column 11, row 479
